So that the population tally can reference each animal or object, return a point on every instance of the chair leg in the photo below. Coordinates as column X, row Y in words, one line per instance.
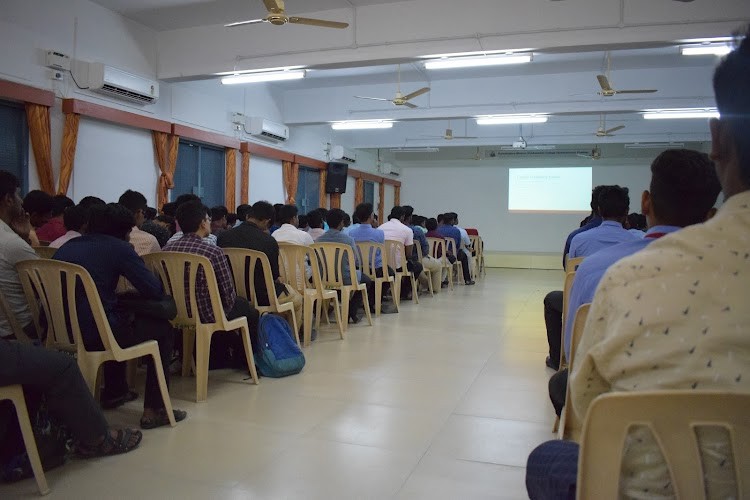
column 337, row 312
column 556, row 425
column 414, row 289
column 295, row 326
column 131, row 372
column 345, row 296
column 249, row 353
column 188, row 346
column 90, row 372
column 202, row 352
column 365, row 302
column 28, row 436
column 396, row 290
column 307, row 312
column 163, row 385
column 378, row 296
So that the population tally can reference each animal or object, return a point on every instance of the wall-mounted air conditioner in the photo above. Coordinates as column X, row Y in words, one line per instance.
column 266, row 129
column 389, row 169
column 115, row 82
column 342, row 153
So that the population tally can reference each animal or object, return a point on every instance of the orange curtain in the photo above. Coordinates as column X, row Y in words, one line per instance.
column 230, row 175
column 165, row 148
column 39, row 129
column 290, row 173
column 397, row 196
column 245, row 178
column 359, row 191
column 381, row 203
column 335, row 200
column 68, row 151
column 322, row 195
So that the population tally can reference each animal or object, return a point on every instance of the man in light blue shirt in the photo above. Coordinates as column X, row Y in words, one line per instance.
column 614, row 204
column 683, row 190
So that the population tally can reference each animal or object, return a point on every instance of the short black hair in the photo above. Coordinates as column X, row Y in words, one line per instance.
column 731, row 84
column 397, row 213
column 218, row 212
column 637, row 221
column 75, row 217
column 91, row 201
column 231, row 219
column 315, row 219
column 684, row 186
column 243, row 211
column 347, row 220
column 169, row 209
column 38, row 202
column 431, row 224
column 150, row 213
column 440, row 218
column 417, row 220
column 190, row 215
column 614, row 201
column 363, row 212
column 408, row 210
column 335, row 217
column 186, row 197
column 133, row 201
column 8, row 184
column 111, row 219
column 595, row 198
column 302, row 221
column 59, row 203
column 262, row 210
column 287, row 213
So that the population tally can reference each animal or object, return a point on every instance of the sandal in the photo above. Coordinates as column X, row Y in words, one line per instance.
column 126, row 440
column 161, row 419
column 109, row 404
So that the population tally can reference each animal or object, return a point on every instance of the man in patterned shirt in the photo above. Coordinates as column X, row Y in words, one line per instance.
column 195, row 221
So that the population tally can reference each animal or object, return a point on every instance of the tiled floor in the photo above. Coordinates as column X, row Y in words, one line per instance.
column 444, row 400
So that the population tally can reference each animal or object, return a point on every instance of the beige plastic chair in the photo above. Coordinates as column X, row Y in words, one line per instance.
column 15, row 394
column 567, row 285
column 570, row 427
column 15, row 326
column 427, row 272
column 176, row 270
column 395, row 251
column 44, row 252
column 371, row 250
column 244, row 263
column 293, row 260
column 571, row 265
column 47, row 279
column 438, row 248
column 458, row 267
column 672, row 417
column 330, row 257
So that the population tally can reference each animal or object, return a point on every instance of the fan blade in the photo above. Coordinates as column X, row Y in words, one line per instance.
column 243, row 23
column 371, row 98
column 318, row 22
column 642, row 91
column 614, row 129
column 464, row 137
column 274, row 6
column 416, row 93
column 410, row 105
column 603, row 82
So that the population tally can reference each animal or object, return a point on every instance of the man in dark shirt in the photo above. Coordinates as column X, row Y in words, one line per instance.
column 105, row 253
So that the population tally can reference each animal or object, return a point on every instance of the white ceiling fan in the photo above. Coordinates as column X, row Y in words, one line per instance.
column 277, row 16
column 448, row 136
column 603, row 131
column 400, row 99
column 608, row 91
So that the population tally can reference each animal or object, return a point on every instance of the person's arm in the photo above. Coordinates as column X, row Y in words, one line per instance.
column 224, row 279
column 133, row 268
column 273, row 257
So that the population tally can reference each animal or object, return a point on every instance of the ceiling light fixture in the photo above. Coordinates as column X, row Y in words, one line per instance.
column 704, row 50
column 675, row 114
column 361, row 124
column 415, row 150
column 511, row 119
column 471, row 62
column 654, row 145
column 273, row 76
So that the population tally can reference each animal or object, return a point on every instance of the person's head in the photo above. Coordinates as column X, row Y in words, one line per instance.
column 150, row 213
column 111, row 219
column 636, row 221
column 75, row 218
column 87, row 203
column 136, row 203
column 323, row 213
column 288, row 215
column 440, row 218
column 315, row 220
column 11, row 205
column 417, row 220
column 277, row 210
column 451, row 218
column 397, row 213
column 684, row 188
column 431, row 224
column 231, row 220
column 336, row 218
column 595, row 199
column 38, row 204
column 243, row 211
column 193, row 217
column 167, row 222
column 261, row 214
column 60, row 202
column 730, row 134
column 363, row 213
column 347, row 220
column 614, row 203
column 219, row 216
column 186, row 197
column 169, row 209
column 408, row 214
column 303, row 222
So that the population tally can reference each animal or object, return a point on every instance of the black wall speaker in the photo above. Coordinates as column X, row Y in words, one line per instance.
column 336, row 177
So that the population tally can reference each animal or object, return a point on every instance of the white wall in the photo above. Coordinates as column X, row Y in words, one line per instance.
column 347, row 198
column 479, row 194
column 266, row 182
column 388, row 200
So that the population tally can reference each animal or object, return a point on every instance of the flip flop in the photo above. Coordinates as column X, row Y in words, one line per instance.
column 109, row 404
column 161, row 419
column 112, row 446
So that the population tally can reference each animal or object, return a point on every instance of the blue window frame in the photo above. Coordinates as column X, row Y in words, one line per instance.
column 14, row 142
column 369, row 194
column 308, row 190
column 200, row 171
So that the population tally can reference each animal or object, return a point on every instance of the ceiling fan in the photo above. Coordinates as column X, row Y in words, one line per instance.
column 477, row 156
column 603, row 131
column 400, row 99
column 608, row 91
column 448, row 136
column 277, row 16
column 596, row 154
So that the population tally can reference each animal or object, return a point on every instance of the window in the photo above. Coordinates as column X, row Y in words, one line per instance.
column 308, row 190
column 14, row 142
column 200, row 171
column 369, row 194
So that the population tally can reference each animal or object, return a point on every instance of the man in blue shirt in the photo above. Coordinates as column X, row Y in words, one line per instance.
column 593, row 221
column 614, row 204
column 684, row 188
column 449, row 230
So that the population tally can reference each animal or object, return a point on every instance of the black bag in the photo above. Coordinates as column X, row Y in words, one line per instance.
column 163, row 308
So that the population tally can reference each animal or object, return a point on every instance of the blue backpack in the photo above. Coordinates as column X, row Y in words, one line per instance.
column 279, row 354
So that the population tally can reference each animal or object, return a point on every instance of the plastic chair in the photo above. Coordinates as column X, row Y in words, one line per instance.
column 438, row 248
column 567, row 285
column 672, row 417
column 371, row 250
column 427, row 272
column 15, row 394
column 178, row 272
column 44, row 252
column 244, row 263
column 396, row 254
column 330, row 257
column 569, row 426
column 571, row 265
column 293, row 259
column 47, row 279
column 477, row 250
column 10, row 316
column 458, row 267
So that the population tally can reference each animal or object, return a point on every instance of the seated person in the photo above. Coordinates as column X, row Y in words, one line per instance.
column 38, row 205
column 590, row 222
column 105, row 253
column 219, row 221
column 449, row 230
column 55, row 226
column 415, row 223
column 74, row 218
column 432, row 225
column 395, row 229
column 153, row 225
column 315, row 221
column 637, row 224
column 184, row 198
column 143, row 242
column 288, row 231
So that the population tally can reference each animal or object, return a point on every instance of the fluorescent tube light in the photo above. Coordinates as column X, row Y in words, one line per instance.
column 361, row 125
column 703, row 50
column 655, row 145
column 510, row 119
column 415, row 150
column 273, row 76
column 470, row 62
column 674, row 114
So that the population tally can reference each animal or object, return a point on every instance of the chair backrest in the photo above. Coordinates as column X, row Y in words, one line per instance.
column 178, row 272
column 331, row 258
column 437, row 249
column 673, row 418
column 450, row 244
column 418, row 249
column 244, row 263
column 572, row 264
column 567, row 285
column 474, row 243
column 45, row 252
column 569, row 424
column 396, row 254
column 10, row 316
column 368, row 252
column 293, row 261
column 579, row 322
column 53, row 283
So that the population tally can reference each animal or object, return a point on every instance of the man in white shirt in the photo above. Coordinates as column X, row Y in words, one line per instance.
column 396, row 230
column 288, row 232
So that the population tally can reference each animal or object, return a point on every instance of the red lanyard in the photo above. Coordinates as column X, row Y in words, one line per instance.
column 655, row 235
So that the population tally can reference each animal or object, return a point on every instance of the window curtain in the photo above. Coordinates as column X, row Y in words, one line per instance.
column 359, row 191
column 322, row 195
column 245, row 178
column 381, row 201
column 230, row 175
column 397, row 196
column 290, row 173
column 165, row 148
column 37, row 117
column 68, row 151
